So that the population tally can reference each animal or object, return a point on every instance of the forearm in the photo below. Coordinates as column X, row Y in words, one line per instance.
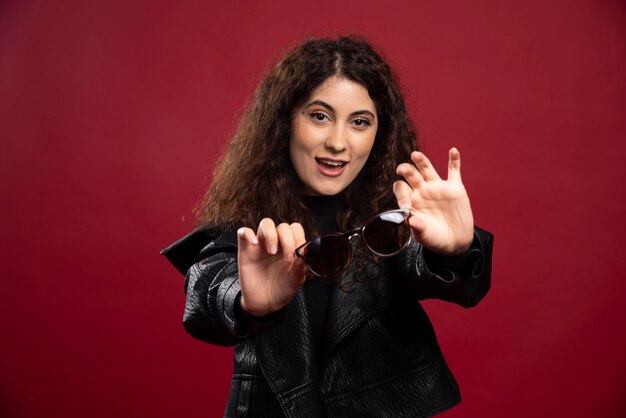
column 211, row 289
column 463, row 279
column 212, row 311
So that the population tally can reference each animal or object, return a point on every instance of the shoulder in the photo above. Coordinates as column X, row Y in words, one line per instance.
column 197, row 245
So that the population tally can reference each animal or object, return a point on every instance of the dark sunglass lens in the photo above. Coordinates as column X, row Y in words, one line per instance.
column 327, row 255
column 388, row 233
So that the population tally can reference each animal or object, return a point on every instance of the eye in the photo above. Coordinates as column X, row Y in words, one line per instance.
column 361, row 123
column 318, row 117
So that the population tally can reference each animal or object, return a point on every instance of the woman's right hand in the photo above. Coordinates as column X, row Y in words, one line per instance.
column 270, row 274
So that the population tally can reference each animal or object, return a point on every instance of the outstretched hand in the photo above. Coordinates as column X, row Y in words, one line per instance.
column 269, row 272
column 441, row 216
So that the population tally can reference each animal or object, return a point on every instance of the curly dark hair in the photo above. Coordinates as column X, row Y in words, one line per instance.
column 255, row 177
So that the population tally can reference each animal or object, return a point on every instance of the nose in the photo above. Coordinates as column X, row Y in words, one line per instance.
column 337, row 140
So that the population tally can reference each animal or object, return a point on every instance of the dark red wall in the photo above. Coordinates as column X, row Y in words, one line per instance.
column 112, row 114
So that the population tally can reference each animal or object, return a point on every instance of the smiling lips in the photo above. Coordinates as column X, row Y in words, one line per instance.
column 330, row 167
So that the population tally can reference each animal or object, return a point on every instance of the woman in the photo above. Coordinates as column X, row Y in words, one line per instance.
column 327, row 146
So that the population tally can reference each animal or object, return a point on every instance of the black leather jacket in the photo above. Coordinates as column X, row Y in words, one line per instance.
column 380, row 356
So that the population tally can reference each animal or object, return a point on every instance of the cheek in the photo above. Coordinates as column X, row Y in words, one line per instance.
column 365, row 146
column 298, row 154
column 294, row 142
column 303, row 143
column 362, row 152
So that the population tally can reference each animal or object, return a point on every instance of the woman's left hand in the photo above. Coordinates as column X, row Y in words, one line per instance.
column 441, row 216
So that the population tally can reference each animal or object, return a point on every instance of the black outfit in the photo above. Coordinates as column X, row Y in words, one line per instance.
column 368, row 352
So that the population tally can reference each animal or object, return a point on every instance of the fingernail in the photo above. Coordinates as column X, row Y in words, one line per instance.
column 290, row 257
column 273, row 249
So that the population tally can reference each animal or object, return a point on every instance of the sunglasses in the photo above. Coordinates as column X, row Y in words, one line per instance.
column 385, row 234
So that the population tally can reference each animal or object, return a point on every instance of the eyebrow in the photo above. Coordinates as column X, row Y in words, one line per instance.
column 332, row 109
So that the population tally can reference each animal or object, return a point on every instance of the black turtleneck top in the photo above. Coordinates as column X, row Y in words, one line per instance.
column 316, row 290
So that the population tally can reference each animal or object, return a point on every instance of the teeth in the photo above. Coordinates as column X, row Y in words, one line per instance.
column 332, row 163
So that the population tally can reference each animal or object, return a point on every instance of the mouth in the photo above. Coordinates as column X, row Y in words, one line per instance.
column 330, row 167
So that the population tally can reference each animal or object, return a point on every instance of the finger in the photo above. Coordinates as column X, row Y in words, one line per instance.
column 246, row 236
column 298, row 234
column 267, row 234
column 454, row 164
column 287, row 241
column 410, row 174
column 424, row 165
column 403, row 194
column 297, row 272
column 418, row 226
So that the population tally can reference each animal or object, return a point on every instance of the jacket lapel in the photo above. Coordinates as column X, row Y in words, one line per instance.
column 289, row 364
column 348, row 309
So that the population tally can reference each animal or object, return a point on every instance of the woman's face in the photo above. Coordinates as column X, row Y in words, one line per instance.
column 332, row 135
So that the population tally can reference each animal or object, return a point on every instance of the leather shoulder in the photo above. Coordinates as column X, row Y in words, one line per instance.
column 198, row 245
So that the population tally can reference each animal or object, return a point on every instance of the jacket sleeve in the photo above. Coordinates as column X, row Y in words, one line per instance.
column 463, row 279
column 212, row 313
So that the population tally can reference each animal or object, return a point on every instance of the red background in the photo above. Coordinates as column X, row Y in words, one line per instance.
column 112, row 114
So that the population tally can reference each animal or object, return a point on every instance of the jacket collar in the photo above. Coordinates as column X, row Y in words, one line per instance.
column 197, row 245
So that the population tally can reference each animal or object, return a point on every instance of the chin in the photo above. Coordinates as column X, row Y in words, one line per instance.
column 329, row 190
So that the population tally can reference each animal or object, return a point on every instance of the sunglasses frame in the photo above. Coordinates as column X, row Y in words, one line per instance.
column 351, row 234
